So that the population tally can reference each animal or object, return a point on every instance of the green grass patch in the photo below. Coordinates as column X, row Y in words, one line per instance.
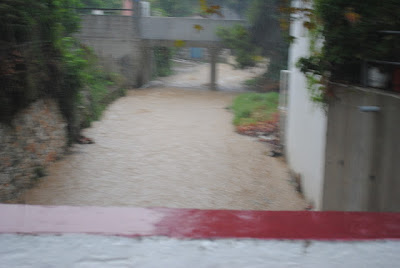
column 250, row 108
column 252, row 82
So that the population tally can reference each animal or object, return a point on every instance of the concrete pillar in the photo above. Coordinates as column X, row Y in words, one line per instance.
column 283, row 104
column 213, row 51
column 147, row 63
column 135, row 4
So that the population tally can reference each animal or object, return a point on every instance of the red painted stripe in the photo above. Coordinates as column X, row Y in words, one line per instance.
column 188, row 223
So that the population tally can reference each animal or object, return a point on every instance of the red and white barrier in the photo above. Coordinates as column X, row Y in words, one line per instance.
column 36, row 236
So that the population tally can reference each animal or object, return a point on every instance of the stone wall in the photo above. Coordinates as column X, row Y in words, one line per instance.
column 35, row 137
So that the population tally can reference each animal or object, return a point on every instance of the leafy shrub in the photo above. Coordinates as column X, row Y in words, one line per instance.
column 238, row 39
column 93, row 87
column 163, row 56
column 266, row 33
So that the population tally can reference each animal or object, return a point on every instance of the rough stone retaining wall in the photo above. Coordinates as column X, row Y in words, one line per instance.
column 35, row 137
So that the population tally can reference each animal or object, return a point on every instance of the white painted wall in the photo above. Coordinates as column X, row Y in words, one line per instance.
column 80, row 250
column 145, row 8
column 306, row 124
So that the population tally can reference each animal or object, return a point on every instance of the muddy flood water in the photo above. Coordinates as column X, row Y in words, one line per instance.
column 168, row 147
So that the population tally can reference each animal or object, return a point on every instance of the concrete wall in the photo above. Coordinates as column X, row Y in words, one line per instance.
column 115, row 39
column 126, row 48
column 163, row 28
column 346, row 158
column 363, row 150
column 34, row 138
column 306, row 124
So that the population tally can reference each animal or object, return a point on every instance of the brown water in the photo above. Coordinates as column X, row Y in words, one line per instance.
column 168, row 147
column 189, row 74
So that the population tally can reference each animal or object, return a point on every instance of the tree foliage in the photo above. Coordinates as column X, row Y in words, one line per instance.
column 30, row 46
column 238, row 39
column 40, row 58
column 264, row 36
column 265, row 20
column 102, row 3
column 175, row 8
column 181, row 8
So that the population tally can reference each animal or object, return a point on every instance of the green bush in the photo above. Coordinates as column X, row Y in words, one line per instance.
column 95, row 87
column 269, row 31
column 238, row 39
column 163, row 56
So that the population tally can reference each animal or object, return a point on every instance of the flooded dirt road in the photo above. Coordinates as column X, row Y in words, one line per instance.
column 168, row 147
column 190, row 74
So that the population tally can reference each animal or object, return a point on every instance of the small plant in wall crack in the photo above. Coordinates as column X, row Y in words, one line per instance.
column 317, row 89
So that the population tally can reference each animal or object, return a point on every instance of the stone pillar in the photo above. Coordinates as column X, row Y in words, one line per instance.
column 213, row 51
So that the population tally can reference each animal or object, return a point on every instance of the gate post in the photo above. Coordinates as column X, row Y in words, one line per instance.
column 213, row 51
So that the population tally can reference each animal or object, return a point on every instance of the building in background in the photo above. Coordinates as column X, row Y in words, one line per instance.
column 128, row 4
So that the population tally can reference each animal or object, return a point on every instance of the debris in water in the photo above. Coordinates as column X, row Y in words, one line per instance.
column 267, row 131
column 84, row 140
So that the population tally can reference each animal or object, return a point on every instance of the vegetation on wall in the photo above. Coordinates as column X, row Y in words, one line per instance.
column 91, row 81
column 351, row 33
column 31, row 49
column 40, row 59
